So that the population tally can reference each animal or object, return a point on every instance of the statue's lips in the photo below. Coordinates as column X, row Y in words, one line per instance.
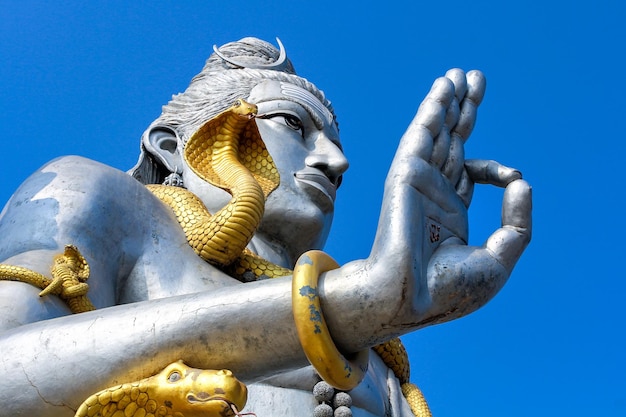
column 317, row 179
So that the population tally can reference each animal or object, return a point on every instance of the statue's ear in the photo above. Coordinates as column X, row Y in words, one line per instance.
column 162, row 143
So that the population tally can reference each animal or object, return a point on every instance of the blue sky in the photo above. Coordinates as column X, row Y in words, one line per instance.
column 88, row 77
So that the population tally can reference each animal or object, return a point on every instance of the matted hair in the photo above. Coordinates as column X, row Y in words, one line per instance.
column 213, row 91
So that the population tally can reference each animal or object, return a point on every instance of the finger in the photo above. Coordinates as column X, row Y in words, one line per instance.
column 517, row 205
column 457, row 76
column 428, row 182
column 507, row 243
column 441, row 147
column 469, row 105
column 430, row 117
column 454, row 163
column 491, row 172
column 476, row 86
column 465, row 188
column 454, row 111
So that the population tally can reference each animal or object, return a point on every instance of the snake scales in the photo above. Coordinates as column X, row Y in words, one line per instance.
column 227, row 152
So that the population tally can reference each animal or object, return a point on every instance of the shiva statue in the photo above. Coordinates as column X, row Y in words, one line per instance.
column 194, row 284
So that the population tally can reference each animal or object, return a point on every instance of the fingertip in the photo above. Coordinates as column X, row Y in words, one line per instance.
column 454, row 73
column 509, row 175
column 457, row 76
column 491, row 172
column 517, row 205
column 519, row 186
column 442, row 91
column 476, row 86
column 475, row 73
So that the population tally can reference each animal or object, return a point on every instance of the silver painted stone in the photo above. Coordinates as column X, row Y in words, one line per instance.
column 157, row 302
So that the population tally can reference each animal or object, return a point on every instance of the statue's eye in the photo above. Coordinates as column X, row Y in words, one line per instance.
column 174, row 376
column 293, row 122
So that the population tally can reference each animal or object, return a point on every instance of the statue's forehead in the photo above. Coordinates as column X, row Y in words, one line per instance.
column 279, row 90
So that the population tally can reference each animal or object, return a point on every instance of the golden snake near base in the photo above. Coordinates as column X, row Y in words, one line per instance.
column 229, row 153
column 176, row 391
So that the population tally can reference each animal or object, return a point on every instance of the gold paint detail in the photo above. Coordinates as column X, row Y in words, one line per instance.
column 318, row 346
column 396, row 358
column 69, row 271
column 394, row 355
column 176, row 391
column 227, row 152
column 320, row 349
column 416, row 400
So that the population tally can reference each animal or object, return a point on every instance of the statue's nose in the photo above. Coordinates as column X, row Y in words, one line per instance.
column 329, row 158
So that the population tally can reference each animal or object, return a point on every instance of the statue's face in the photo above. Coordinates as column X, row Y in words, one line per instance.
column 302, row 138
column 300, row 134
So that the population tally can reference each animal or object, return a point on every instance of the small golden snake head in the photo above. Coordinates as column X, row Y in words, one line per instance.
column 199, row 392
column 242, row 108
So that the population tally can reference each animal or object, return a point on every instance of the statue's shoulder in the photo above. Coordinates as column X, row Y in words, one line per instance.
column 73, row 166
column 77, row 175
column 77, row 186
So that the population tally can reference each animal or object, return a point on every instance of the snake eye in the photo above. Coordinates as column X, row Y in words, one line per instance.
column 174, row 376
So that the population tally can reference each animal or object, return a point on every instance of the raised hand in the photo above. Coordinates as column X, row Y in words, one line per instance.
column 422, row 233
column 421, row 187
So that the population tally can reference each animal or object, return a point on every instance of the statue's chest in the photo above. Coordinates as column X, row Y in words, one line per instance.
column 180, row 273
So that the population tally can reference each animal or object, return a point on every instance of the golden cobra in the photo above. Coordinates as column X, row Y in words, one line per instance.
column 176, row 391
column 229, row 153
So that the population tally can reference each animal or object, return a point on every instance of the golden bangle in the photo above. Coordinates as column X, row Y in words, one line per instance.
column 313, row 333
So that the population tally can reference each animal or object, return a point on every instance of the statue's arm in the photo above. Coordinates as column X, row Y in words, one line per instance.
column 56, row 359
column 56, row 364
column 131, row 253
